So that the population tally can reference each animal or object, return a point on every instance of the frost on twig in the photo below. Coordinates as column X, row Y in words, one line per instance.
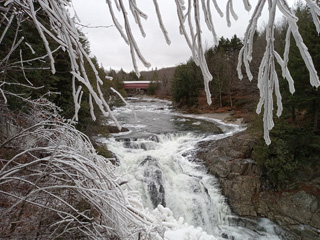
column 194, row 36
column 268, row 82
column 55, row 185
column 59, row 29
column 188, row 13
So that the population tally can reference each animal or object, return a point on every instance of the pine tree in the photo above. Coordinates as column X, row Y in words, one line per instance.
column 306, row 98
column 222, row 61
column 186, row 84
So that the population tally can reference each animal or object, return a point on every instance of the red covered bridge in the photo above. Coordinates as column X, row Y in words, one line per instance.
column 139, row 85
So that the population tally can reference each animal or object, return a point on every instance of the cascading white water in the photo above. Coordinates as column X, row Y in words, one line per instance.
column 164, row 169
column 164, row 173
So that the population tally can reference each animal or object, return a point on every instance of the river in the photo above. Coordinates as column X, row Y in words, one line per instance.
column 157, row 157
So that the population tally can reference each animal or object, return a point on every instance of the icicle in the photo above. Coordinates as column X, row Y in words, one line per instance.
column 240, row 56
column 247, row 5
column 71, row 52
column 268, row 79
column 208, row 19
column 217, row 8
column 163, row 29
column 125, row 102
column 287, row 73
column 137, row 13
column 286, row 52
column 262, row 79
column 44, row 39
column 249, row 34
column 206, row 14
column 207, row 77
column 30, row 47
column 314, row 79
column 133, row 45
column 293, row 28
column 77, row 105
column 190, row 24
column 8, row 2
column 246, row 64
column 278, row 94
column 133, row 6
column 233, row 13
column 4, row 96
column 116, row 23
column 134, row 62
column 228, row 13
column 22, row 67
column 181, row 27
column 194, row 50
column 95, row 71
column 75, row 13
column 229, row 9
column 315, row 12
column 286, row 11
column 117, row 5
column 93, row 116
column 214, row 34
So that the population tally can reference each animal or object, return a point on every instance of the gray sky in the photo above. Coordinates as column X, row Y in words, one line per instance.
column 112, row 52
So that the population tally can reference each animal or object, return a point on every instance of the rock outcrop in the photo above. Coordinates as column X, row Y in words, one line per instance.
column 250, row 194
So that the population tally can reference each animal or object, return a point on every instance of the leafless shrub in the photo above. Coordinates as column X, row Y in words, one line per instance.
column 53, row 184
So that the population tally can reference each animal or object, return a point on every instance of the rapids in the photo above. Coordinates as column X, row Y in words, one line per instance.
column 157, row 158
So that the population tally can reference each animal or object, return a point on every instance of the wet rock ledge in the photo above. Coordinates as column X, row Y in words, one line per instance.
column 250, row 194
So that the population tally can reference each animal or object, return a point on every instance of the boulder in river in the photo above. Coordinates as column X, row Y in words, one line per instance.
column 115, row 129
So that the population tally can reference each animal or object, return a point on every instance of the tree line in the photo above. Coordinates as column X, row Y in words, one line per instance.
column 295, row 149
column 295, row 145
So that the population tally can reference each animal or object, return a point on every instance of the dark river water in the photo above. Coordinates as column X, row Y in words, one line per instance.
column 157, row 158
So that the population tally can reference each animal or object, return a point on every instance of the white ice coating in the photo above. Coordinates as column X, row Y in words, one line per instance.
column 62, row 30
column 267, row 78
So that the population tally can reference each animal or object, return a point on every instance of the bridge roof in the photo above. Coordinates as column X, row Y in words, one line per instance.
column 135, row 82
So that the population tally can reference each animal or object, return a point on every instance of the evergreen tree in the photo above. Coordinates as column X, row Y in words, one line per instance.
column 306, row 98
column 186, row 84
column 154, row 84
column 34, row 69
column 222, row 61
column 295, row 140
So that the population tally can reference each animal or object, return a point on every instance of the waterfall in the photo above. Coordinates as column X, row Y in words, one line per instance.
column 157, row 158
column 165, row 171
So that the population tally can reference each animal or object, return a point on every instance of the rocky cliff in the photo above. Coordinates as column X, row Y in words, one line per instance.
column 250, row 194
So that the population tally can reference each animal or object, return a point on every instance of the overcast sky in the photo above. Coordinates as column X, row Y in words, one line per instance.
column 112, row 52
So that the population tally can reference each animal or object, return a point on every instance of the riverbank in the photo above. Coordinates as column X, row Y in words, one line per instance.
column 250, row 193
column 226, row 117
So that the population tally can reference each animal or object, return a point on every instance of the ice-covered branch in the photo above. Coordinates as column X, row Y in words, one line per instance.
column 164, row 31
column 61, row 29
column 57, row 177
column 268, row 79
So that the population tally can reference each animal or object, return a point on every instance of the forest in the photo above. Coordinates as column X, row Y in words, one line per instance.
column 295, row 140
